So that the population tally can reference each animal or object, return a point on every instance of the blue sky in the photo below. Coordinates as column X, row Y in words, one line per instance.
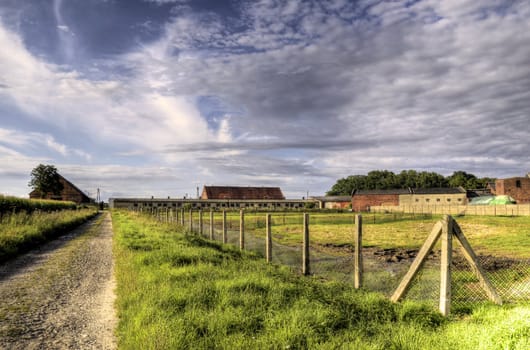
column 157, row 97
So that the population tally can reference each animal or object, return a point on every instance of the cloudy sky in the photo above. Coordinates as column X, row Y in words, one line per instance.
column 157, row 97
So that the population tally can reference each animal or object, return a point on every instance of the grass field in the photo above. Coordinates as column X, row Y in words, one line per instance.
column 496, row 235
column 178, row 291
column 22, row 231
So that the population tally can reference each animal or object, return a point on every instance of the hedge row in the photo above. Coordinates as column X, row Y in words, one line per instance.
column 10, row 204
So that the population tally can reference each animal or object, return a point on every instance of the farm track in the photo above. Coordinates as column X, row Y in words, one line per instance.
column 61, row 296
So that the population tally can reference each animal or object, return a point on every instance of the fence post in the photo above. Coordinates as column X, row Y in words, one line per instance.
column 225, row 238
column 176, row 216
column 358, row 259
column 241, row 229
column 200, row 222
column 191, row 220
column 418, row 262
column 268, row 242
column 471, row 257
column 445, row 265
column 182, row 216
column 211, row 224
column 305, row 251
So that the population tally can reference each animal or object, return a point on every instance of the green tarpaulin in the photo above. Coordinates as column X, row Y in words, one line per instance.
column 502, row 200
column 492, row 200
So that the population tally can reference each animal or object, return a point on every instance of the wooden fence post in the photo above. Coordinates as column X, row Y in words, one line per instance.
column 200, row 222
column 191, row 220
column 182, row 216
column 241, row 229
column 471, row 258
column 225, row 238
column 305, row 251
column 445, row 265
column 358, row 258
column 211, row 225
column 268, row 242
column 418, row 262
column 176, row 216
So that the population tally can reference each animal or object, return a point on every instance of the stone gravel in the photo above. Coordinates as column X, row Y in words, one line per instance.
column 61, row 296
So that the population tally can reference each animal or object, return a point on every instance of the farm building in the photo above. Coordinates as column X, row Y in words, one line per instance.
column 216, row 204
column 242, row 193
column 333, row 202
column 69, row 193
column 364, row 199
column 516, row 187
column 435, row 196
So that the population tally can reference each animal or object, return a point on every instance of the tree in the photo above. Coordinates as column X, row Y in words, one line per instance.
column 381, row 180
column 345, row 186
column 384, row 180
column 45, row 179
column 463, row 179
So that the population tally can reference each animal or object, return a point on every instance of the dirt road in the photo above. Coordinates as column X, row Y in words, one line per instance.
column 61, row 296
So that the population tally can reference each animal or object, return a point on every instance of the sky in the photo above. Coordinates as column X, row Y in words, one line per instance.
column 144, row 98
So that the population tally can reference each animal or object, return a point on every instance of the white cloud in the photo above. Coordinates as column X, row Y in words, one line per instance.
column 131, row 113
column 63, row 28
column 35, row 140
column 320, row 88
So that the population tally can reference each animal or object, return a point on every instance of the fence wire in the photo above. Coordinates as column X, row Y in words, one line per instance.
column 383, row 268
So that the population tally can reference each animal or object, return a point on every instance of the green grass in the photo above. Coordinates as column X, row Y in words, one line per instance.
column 9, row 204
column 21, row 231
column 494, row 235
column 178, row 291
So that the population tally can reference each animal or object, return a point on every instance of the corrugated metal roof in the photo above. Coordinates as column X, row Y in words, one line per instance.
column 383, row 192
column 435, row 190
column 332, row 198
column 439, row 190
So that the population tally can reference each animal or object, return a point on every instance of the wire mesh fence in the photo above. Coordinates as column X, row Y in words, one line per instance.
column 384, row 265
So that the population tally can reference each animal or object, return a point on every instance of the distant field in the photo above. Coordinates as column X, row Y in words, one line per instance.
column 506, row 236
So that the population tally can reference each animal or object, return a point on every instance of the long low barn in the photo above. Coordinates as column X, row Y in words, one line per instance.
column 146, row 203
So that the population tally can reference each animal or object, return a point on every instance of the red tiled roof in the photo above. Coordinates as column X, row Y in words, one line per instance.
column 234, row 192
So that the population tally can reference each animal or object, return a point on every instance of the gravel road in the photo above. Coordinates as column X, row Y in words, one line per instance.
column 61, row 296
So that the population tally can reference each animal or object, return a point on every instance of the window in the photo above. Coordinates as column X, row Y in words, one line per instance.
column 448, row 199
column 460, row 199
column 518, row 183
column 417, row 200
column 427, row 199
column 437, row 199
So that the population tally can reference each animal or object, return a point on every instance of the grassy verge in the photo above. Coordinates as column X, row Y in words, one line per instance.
column 9, row 204
column 22, row 231
column 177, row 291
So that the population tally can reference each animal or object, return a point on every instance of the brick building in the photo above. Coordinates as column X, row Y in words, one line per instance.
column 435, row 196
column 69, row 193
column 333, row 202
column 362, row 200
column 516, row 187
column 242, row 193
